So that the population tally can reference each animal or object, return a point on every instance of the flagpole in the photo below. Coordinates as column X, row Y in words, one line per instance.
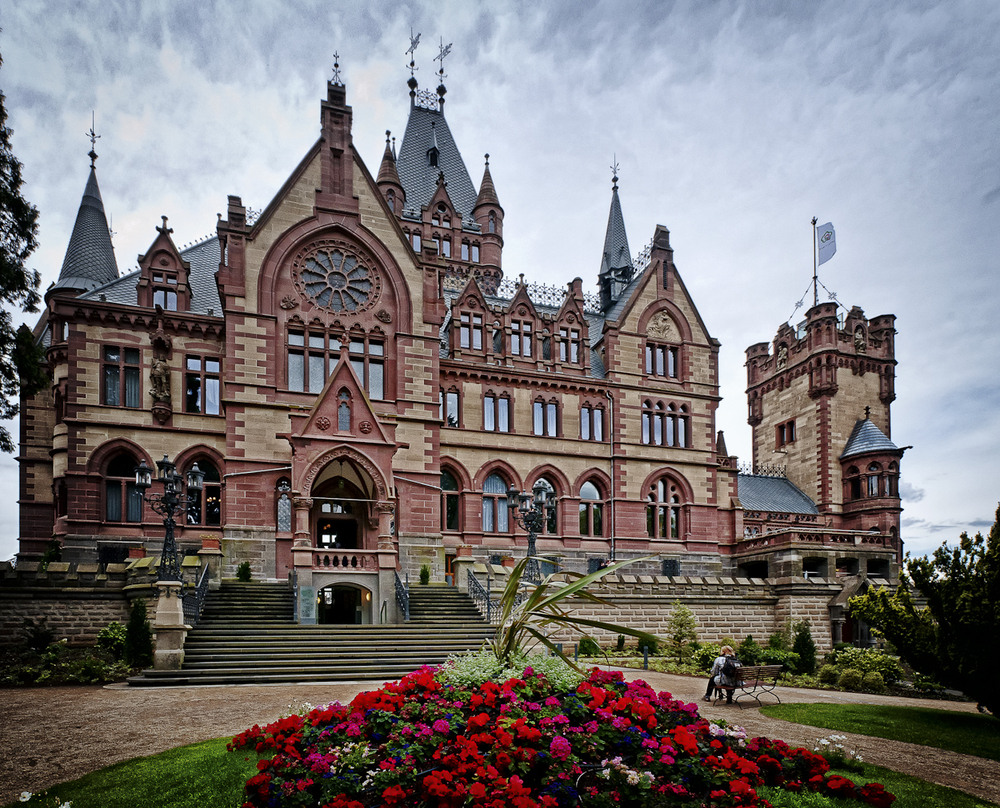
column 815, row 267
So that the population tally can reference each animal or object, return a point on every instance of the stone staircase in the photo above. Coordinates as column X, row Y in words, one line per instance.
column 247, row 635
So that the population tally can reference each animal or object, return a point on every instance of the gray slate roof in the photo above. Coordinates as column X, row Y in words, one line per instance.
column 204, row 260
column 866, row 437
column 616, row 252
column 777, row 494
column 424, row 128
column 90, row 257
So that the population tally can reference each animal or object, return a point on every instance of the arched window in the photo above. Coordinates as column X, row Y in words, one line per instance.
column 664, row 510
column 207, row 508
column 344, row 411
column 551, row 514
column 283, row 521
column 390, row 197
column 872, row 479
column 122, row 500
column 492, row 225
column 853, row 483
column 591, row 510
column 449, row 502
column 496, row 518
column 892, row 481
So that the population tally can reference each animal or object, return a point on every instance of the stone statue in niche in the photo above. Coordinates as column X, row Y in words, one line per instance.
column 860, row 343
column 159, row 376
column 662, row 327
column 782, row 358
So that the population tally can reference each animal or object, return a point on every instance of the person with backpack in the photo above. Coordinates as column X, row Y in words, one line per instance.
column 725, row 673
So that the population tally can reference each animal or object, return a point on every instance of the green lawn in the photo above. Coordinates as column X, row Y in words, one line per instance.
column 965, row 733
column 202, row 775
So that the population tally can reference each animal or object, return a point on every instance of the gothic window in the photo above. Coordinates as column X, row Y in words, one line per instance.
column 872, row 479
column 496, row 413
column 207, row 508
column 470, row 330
column 122, row 500
column 201, row 385
column 416, row 241
column 664, row 510
column 569, row 345
column 551, row 526
column 854, row 483
column 449, row 501
column 591, row 510
column 390, row 198
column 491, row 227
column 344, row 411
column 520, row 338
column 662, row 360
column 449, row 409
column 121, row 377
column 165, row 290
column 591, row 423
column 367, row 355
column 475, row 253
column 545, row 418
column 666, row 426
column 496, row 518
column 892, row 481
column 283, row 521
column 446, row 247
column 465, row 251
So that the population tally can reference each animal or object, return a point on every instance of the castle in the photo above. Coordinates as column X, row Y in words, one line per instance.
column 365, row 388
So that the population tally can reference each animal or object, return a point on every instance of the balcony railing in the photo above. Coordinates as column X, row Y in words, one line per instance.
column 336, row 560
column 829, row 538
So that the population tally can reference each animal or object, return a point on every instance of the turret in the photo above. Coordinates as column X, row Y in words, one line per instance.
column 616, row 260
column 388, row 179
column 489, row 216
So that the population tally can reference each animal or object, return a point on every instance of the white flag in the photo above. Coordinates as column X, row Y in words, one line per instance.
column 827, row 240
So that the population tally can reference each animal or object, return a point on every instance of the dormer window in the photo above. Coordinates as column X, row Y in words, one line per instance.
column 432, row 157
column 165, row 291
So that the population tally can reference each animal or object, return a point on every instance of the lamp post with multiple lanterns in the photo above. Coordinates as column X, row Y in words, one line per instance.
column 169, row 620
column 530, row 511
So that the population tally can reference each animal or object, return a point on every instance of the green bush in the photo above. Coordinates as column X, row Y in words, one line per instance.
column 870, row 660
column 779, row 641
column 773, row 656
column 705, row 656
column 850, row 679
column 650, row 645
column 243, row 572
column 589, row 647
column 36, row 634
column 749, row 652
column 804, row 646
column 425, row 575
column 873, row 682
column 112, row 639
column 828, row 675
column 138, row 636
column 620, row 644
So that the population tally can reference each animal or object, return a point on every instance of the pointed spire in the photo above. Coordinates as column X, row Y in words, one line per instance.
column 90, row 257
column 387, row 170
column 487, row 191
column 616, row 254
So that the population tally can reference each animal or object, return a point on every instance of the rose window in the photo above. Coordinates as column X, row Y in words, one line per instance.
column 334, row 277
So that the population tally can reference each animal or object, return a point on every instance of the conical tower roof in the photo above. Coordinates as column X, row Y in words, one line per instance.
column 387, row 170
column 616, row 254
column 487, row 191
column 866, row 437
column 90, row 257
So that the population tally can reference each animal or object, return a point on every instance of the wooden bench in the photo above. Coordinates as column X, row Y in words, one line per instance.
column 753, row 681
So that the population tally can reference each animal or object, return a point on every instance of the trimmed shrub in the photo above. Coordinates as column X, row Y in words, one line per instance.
column 804, row 646
column 620, row 644
column 649, row 645
column 772, row 656
column 850, row 679
column 425, row 575
column 112, row 639
column 828, row 675
column 870, row 660
column 705, row 656
column 589, row 647
column 37, row 634
column 749, row 652
column 138, row 636
column 873, row 682
column 243, row 572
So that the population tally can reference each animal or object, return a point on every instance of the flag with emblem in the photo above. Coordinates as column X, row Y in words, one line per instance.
column 826, row 238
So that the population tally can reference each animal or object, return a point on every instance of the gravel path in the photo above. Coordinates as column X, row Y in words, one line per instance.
column 50, row 735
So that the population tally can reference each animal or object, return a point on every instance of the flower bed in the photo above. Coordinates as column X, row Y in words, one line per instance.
column 526, row 743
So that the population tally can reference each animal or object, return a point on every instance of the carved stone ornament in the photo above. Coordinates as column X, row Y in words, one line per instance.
column 334, row 275
column 323, row 423
column 662, row 327
column 383, row 316
column 860, row 343
column 366, row 427
column 159, row 377
column 782, row 358
column 288, row 302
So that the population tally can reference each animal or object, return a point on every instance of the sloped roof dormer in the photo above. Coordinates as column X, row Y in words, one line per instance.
column 164, row 274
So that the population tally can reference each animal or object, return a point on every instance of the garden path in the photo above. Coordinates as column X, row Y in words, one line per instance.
column 49, row 735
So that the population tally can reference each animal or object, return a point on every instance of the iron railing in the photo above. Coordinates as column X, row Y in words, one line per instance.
column 403, row 596
column 293, row 584
column 481, row 597
column 194, row 599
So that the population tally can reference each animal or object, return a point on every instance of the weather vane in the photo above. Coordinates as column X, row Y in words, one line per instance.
column 93, row 138
column 336, row 68
column 443, row 50
column 614, row 172
column 414, row 41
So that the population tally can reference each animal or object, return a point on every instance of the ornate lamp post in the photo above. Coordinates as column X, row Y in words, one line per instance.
column 530, row 511
column 169, row 620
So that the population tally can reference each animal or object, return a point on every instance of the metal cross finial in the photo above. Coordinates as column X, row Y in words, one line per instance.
column 414, row 41
column 93, row 139
column 443, row 50
column 868, row 413
column 164, row 228
column 336, row 68
column 614, row 173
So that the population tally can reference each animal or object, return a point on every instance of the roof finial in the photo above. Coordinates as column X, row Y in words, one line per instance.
column 443, row 50
column 868, row 413
column 93, row 139
column 387, row 133
column 394, row 148
column 336, row 70
column 414, row 41
column 487, row 159
column 164, row 229
column 614, row 173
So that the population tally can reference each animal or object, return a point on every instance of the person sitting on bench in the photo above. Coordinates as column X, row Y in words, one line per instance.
column 724, row 675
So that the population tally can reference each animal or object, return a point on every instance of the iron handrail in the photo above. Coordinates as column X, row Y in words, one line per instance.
column 403, row 596
column 194, row 600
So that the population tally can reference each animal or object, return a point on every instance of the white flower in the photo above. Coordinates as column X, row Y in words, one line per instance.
column 25, row 796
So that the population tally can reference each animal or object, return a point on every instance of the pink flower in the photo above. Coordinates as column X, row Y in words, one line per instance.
column 442, row 726
column 560, row 748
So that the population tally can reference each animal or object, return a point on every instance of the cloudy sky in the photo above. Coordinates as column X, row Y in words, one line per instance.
column 733, row 124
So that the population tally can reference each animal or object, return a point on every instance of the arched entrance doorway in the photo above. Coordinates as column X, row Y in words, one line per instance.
column 342, row 504
column 343, row 604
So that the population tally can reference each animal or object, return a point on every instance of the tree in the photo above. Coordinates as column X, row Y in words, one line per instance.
column 138, row 636
column 955, row 638
column 681, row 630
column 804, row 646
column 20, row 355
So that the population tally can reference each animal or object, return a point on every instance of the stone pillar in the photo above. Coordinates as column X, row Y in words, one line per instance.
column 169, row 626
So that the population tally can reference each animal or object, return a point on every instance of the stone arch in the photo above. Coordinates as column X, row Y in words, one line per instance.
column 680, row 322
column 308, row 475
column 500, row 467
